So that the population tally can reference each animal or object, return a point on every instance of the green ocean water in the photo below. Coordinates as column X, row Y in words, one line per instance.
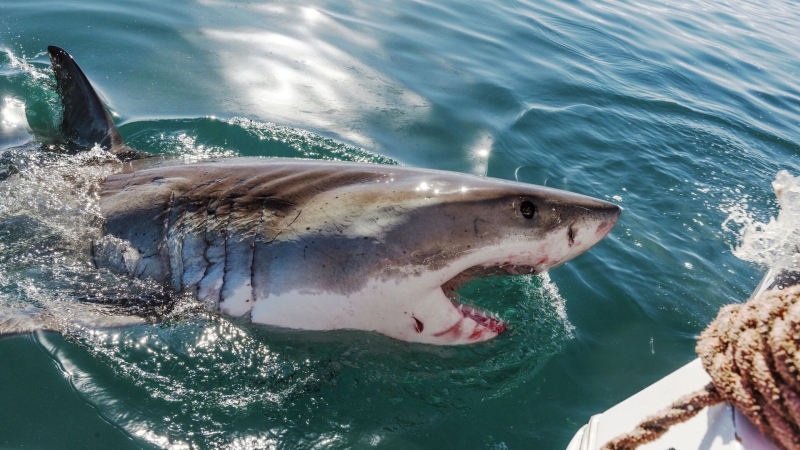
column 680, row 112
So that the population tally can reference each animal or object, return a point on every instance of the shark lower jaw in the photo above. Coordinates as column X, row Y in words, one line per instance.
column 486, row 320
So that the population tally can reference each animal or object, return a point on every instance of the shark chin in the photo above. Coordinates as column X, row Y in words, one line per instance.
column 323, row 245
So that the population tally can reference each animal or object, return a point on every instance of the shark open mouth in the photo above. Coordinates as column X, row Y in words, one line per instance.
column 484, row 318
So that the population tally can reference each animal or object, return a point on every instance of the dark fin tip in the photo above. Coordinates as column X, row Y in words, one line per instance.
column 86, row 121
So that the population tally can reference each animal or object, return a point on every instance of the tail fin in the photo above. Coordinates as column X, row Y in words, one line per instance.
column 86, row 121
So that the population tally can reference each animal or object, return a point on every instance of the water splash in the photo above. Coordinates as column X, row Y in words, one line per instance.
column 21, row 64
column 49, row 216
column 774, row 243
column 30, row 103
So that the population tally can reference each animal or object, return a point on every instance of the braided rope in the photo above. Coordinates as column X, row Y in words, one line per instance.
column 752, row 353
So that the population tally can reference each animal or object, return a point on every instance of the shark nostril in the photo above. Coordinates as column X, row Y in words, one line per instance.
column 571, row 235
column 418, row 325
column 527, row 209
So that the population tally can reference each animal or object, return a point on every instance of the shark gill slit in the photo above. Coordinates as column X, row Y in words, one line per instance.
column 239, row 245
column 259, row 278
column 257, row 233
column 224, row 235
column 227, row 265
column 211, row 218
column 185, row 224
column 195, row 219
column 174, row 240
column 207, row 243
column 221, row 230
column 211, row 243
column 163, row 246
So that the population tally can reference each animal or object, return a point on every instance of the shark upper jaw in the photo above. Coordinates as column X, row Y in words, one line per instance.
column 469, row 324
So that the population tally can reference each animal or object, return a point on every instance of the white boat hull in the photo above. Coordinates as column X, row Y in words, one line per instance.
column 719, row 427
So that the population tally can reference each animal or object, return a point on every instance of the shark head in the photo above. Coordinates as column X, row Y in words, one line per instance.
column 465, row 228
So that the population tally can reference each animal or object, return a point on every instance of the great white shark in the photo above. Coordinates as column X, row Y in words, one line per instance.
column 321, row 245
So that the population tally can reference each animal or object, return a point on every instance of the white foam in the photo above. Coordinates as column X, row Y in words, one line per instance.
column 50, row 215
column 549, row 290
column 776, row 243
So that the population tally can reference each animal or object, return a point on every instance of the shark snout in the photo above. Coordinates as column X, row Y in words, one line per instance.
column 578, row 223
column 606, row 216
column 590, row 226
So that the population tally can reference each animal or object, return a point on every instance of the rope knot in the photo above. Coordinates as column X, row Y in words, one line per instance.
column 751, row 353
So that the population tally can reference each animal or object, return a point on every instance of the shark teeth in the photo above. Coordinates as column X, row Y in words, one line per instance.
column 517, row 270
column 481, row 317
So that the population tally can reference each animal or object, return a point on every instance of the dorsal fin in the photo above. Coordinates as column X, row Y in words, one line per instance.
column 86, row 121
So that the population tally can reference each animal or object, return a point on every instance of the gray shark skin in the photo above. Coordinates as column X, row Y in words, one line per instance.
column 324, row 245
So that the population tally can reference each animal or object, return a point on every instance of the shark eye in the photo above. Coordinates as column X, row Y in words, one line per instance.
column 527, row 209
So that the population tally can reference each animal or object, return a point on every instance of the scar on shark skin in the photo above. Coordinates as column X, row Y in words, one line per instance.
column 418, row 325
